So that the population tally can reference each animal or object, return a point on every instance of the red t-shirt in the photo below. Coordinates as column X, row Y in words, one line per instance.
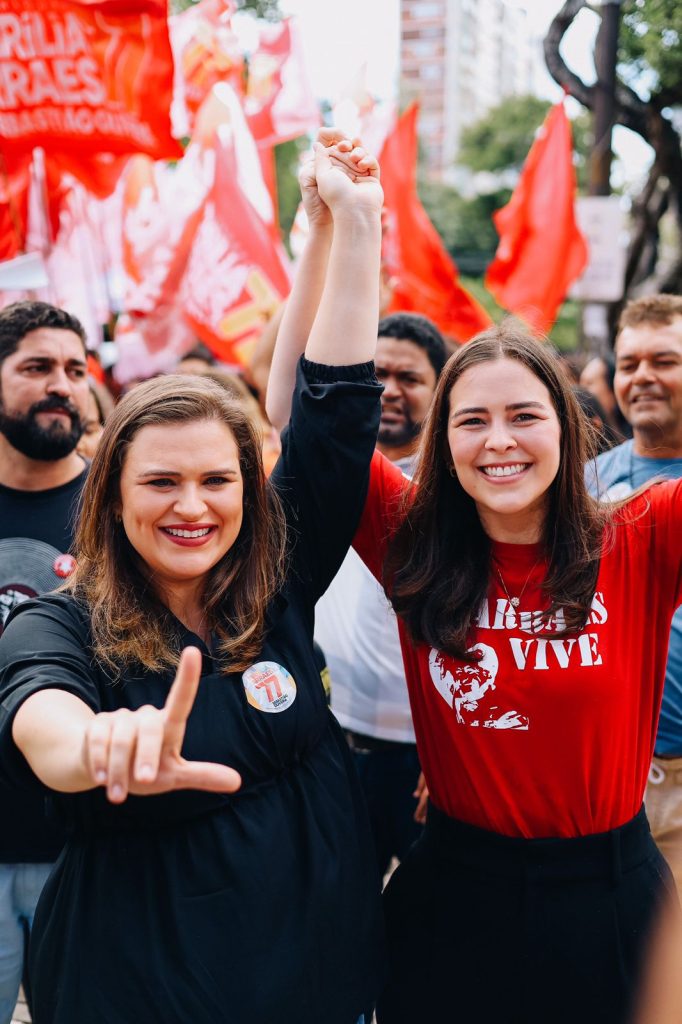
column 546, row 737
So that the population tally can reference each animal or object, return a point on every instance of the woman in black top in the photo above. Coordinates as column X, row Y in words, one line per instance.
column 191, row 891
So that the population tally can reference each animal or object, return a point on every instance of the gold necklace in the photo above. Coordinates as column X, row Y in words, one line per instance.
column 516, row 601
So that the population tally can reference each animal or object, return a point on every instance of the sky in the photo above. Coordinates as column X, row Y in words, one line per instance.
column 339, row 38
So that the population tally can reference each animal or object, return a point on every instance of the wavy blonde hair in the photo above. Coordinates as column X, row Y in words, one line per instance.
column 130, row 623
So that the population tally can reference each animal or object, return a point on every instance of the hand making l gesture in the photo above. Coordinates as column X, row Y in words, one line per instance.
column 139, row 751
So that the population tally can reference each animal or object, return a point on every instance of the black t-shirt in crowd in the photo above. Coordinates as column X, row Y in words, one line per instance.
column 258, row 907
column 36, row 533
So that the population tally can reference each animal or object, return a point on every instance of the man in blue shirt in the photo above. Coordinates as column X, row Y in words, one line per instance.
column 648, row 386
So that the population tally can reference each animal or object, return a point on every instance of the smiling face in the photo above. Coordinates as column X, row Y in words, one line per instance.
column 504, row 439
column 648, row 385
column 44, row 390
column 182, row 501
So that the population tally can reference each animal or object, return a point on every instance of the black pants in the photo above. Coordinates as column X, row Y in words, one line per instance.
column 389, row 773
column 486, row 929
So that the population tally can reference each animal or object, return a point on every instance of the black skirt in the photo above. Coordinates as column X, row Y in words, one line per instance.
column 496, row 930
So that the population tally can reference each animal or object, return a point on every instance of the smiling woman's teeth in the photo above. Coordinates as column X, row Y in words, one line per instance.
column 192, row 534
column 518, row 467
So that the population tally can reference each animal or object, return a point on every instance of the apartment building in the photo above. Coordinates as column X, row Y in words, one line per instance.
column 460, row 58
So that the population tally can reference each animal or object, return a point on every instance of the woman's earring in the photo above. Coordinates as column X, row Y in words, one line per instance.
column 451, row 470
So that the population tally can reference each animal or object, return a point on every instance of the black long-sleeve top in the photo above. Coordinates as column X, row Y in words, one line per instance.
column 257, row 907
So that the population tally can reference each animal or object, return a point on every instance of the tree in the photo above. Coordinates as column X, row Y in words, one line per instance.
column 497, row 143
column 649, row 83
column 501, row 139
column 268, row 9
column 287, row 159
column 465, row 225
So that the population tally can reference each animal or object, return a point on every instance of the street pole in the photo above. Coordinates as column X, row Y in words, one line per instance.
column 605, row 55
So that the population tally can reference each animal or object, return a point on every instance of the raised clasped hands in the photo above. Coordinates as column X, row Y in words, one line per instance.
column 139, row 751
column 340, row 175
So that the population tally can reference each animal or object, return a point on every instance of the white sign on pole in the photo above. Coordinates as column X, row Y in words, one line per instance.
column 603, row 222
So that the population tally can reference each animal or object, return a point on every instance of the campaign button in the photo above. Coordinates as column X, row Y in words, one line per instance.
column 269, row 687
column 64, row 565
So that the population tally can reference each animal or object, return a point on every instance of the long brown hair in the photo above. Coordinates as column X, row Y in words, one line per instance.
column 437, row 570
column 130, row 623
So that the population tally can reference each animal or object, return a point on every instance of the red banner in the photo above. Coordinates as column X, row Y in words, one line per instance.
column 14, row 186
column 85, row 77
column 426, row 279
column 206, row 52
column 236, row 276
column 541, row 250
column 199, row 255
column 279, row 101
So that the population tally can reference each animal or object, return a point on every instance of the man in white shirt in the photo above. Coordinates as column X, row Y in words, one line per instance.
column 355, row 625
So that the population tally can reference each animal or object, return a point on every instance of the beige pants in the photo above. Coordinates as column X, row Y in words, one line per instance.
column 663, row 800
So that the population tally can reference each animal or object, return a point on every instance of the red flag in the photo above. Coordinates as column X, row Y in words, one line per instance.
column 14, row 186
column 237, row 275
column 541, row 250
column 279, row 101
column 198, row 249
column 206, row 51
column 30, row 209
column 78, row 76
column 100, row 173
column 426, row 278
column 162, row 207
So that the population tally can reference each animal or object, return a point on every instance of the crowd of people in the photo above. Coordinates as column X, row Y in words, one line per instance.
column 483, row 554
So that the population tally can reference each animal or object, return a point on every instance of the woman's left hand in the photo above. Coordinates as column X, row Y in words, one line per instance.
column 139, row 751
column 355, row 186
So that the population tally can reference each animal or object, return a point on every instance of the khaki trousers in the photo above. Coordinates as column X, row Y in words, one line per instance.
column 663, row 800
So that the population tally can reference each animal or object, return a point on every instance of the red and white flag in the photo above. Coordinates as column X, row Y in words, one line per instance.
column 207, row 51
column 162, row 207
column 14, row 186
column 76, row 77
column 279, row 102
column 198, row 248
column 238, row 272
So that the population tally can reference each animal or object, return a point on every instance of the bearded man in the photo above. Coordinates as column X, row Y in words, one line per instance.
column 43, row 404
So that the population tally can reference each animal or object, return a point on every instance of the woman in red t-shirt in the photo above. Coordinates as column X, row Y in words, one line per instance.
column 534, row 625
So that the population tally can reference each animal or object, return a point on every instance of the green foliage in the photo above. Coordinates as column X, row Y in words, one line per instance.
column 502, row 138
column 288, row 193
column 650, row 46
column 500, row 141
column 465, row 225
column 268, row 9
